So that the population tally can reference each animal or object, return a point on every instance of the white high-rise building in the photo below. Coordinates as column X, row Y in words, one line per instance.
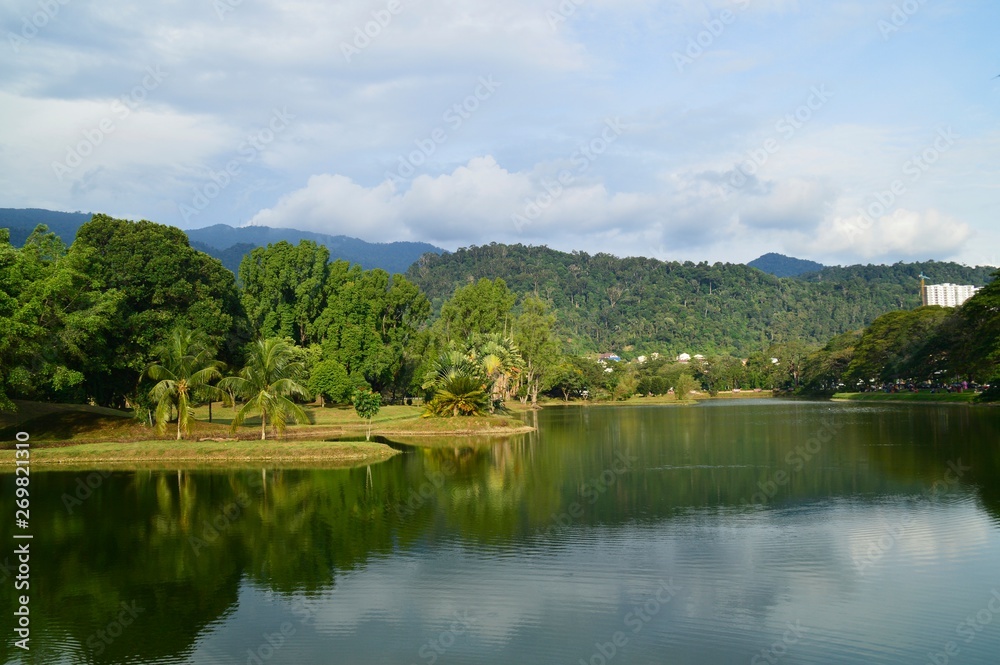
column 948, row 295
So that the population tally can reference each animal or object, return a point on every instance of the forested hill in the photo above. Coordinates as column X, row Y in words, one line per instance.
column 393, row 257
column 780, row 265
column 22, row 221
column 230, row 244
column 604, row 303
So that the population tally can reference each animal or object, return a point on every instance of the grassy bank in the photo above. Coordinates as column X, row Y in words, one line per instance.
column 948, row 398
column 92, row 437
column 201, row 454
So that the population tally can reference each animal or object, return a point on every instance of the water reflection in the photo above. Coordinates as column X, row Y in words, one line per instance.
column 846, row 518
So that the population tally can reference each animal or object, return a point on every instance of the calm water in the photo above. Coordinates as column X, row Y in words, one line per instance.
column 764, row 532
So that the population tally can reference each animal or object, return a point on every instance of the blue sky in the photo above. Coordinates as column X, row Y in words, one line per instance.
column 635, row 127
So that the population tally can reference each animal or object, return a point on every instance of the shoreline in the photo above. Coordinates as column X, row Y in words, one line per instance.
column 169, row 455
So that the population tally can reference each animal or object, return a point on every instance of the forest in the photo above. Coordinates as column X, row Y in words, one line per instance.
column 131, row 316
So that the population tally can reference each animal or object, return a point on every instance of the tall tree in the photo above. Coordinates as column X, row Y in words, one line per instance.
column 187, row 365
column 284, row 289
column 163, row 282
column 476, row 310
column 536, row 341
column 267, row 383
column 56, row 320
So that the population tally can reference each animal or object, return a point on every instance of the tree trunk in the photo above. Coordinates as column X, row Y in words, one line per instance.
column 263, row 426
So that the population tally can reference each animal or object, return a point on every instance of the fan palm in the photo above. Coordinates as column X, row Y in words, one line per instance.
column 186, row 365
column 459, row 396
column 266, row 383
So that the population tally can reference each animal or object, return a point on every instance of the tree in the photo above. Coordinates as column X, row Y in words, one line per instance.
column 537, row 343
column 888, row 347
column 52, row 319
column 330, row 381
column 476, row 310
column 163, row 282
column 284, row 289
column 458, row 385
column 370, row 323
column 266, row 383
column 186, row 365
column 367, row 405
column 459, row 395
column 684, row 385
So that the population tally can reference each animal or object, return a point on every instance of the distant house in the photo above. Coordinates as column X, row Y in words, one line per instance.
column 698, row 356
column 684, row 358
column 641, row 360
column 606, row 357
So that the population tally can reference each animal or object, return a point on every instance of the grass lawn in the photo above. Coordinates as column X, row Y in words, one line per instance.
column 85, row 436
column 954, row 398
column 200, row 454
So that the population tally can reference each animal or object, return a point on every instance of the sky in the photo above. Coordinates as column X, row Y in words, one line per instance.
column 842, row 131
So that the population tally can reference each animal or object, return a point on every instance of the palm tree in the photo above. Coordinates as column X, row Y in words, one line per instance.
column 267, row 382
column 187, row 364
column 459, row 396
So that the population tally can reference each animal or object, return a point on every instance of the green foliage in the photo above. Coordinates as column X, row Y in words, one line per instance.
column 284, row 289
column 367, row 404
column 475, row 310
column 535, row 338
column 187, row 366
column 602, row 302
column 52, row 318
column 267, row 383
column 459, row 395
column 893, row 346
column 329, row 379
column 163, row 282
column 683, row 386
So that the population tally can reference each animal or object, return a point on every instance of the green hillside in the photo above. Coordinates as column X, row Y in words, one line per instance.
column 644, row 305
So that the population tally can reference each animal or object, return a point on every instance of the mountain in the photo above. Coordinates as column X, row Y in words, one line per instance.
column 780, row 265
column 393, row 257
column 22, row 222
column 639, row 305
column 230, row 244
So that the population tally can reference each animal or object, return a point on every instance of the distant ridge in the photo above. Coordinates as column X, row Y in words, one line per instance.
column 230, row 244
column 780, row 265
column 22, row 221
column 393, row 257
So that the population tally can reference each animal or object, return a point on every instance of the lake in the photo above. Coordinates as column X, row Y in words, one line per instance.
column 758, row 531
